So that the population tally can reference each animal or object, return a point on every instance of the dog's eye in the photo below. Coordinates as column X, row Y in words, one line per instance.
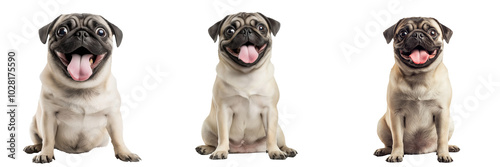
column 230, row 31
column 261, row 27
column 101, row 32
column 403, row 33
column 61, row 31
column 433, row 33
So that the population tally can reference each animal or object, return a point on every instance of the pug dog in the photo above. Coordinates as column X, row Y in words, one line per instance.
column 244, row 117
column 417, row 120
column 79, row 104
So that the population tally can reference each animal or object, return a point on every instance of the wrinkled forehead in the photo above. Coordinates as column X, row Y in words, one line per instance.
column 419, row 23
column 81, row 20
column 242, row 19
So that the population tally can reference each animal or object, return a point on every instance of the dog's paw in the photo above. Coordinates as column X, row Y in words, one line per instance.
column 277, row 154
column 290, row 152
column 33, row 148
column 205, row 149
column 395, row 158
column 382, row 151
column 128, row 157
column 219, row 155
column 453, row 148
column 446, row 158
column 43, row 158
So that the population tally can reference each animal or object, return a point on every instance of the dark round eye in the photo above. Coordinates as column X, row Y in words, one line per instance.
column 261, row 27
column 230, row 31
column 61, row 31
column 403, row 33
column 433, row 33
column 100, row 31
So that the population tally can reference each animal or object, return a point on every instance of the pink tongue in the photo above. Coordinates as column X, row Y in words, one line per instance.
column 79, row 67
column 248, row 54
column 419, row 56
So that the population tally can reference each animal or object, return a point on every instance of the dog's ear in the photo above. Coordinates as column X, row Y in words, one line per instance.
column 214, row 30
column 273, row 24
column 446, row 31
column 45, row 30
column 389, row 32
column 116, row 31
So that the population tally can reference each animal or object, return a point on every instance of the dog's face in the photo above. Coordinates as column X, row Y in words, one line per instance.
column 80, row 44
column 418, row 42
column 245, row 38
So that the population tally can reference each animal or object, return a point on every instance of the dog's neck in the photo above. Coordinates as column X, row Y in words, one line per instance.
column 418, row 78
column 263, row 73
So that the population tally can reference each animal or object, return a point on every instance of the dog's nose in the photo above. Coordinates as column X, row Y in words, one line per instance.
column 246, row 31
column 82, row 34
column 419, row 35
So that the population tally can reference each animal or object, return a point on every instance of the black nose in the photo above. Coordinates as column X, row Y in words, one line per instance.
column 82, row 34
column 419, row 35
column 246, row 31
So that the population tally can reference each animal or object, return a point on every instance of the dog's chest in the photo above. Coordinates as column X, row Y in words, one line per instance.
column 246, row 94
column 418, row 106
column 415, row 100
column 248, row 105
column 85, row 112
column 251, row 100
column 418, row 103
column 81, row 117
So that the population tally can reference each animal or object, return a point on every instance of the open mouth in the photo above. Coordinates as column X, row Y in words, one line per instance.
column 80, row 63
column 418, row 55
column 248, row 53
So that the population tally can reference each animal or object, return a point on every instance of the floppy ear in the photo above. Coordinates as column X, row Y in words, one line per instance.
column 273, row 24
column 389, row 33
column 116, row 31
column 446, row 32
column 215, row 29
column 45, row 30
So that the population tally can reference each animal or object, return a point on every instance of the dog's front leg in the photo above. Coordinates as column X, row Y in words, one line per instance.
column 224, row 121
column 48, row 129
column 397, row 125
column 115, row 130
column 270, row 120
column 442, row 128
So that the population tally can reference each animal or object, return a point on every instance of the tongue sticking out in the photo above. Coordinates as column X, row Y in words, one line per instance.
column 248, row 54
column 419, row 56
column 79, row 67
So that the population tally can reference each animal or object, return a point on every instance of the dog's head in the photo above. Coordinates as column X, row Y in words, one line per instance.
column 245, row 38
column 80, row 44
column 418, row 42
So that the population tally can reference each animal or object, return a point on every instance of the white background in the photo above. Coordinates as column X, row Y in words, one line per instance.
column 330, row 101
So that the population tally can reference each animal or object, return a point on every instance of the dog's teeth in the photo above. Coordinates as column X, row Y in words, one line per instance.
column 91, row 61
